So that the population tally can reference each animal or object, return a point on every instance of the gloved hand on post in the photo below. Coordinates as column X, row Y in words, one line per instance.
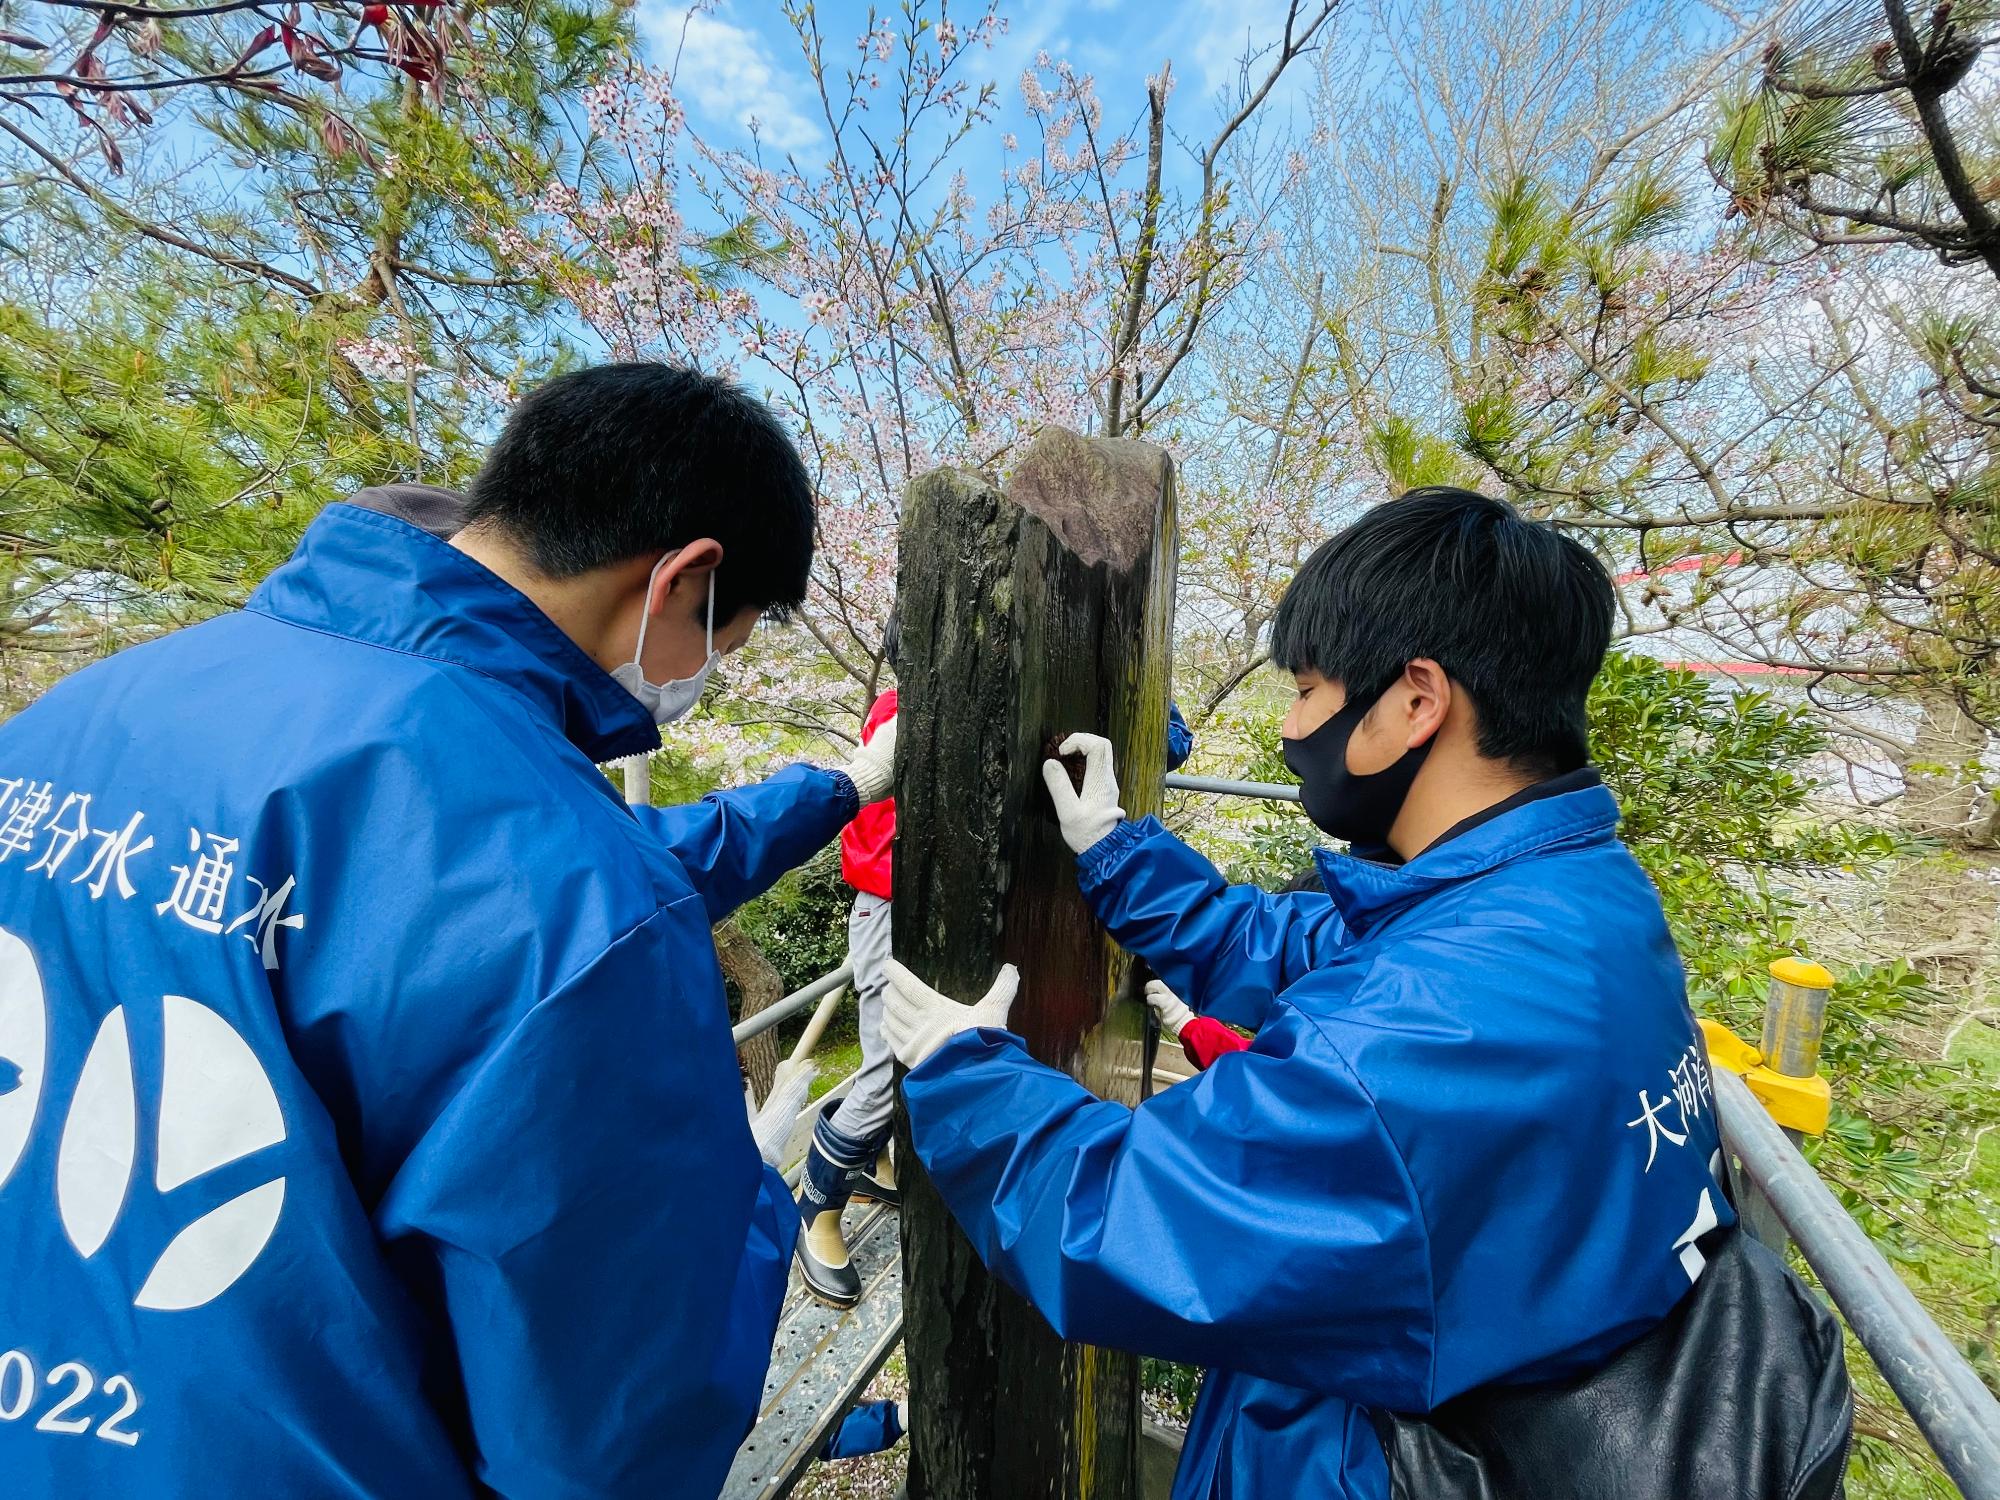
column 1171, row 1010
column 1086, row 816
column 872, row 767
column 917, row 1020
column 771, row 1125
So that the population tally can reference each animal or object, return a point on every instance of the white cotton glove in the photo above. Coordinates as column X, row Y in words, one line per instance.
column 1086, row 816
column 872, row 767
column 771, row 1126
column 1168, row 1007
column 917, row 1020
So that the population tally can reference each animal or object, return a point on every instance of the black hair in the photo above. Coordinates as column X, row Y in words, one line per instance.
column 617, row 461
column 1517, row 614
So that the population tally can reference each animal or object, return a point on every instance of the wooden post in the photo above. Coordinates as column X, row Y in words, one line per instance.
column 1026, row 614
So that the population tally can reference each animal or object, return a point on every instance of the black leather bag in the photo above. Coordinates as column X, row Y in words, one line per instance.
column 1741, row 1394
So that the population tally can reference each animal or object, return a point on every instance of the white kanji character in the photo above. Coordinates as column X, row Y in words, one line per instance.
column 1686, row 1091
column 267, row 914
column 203, row 885
column 114, row 850
column 1649, row 1116
column 17, row 834
column 65, row 837
column 1691, row 1084
column 8, row 786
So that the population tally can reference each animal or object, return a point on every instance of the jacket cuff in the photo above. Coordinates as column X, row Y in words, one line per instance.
column 844, row 789
column 1102, row 857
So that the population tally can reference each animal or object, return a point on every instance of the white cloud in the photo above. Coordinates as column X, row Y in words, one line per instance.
column 726, row 71
column 1212, row 36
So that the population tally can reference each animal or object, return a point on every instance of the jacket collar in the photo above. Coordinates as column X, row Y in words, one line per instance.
column 1367, row 894
column 380, row 580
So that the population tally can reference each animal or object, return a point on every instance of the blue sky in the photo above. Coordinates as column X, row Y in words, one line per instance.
column 740, row 60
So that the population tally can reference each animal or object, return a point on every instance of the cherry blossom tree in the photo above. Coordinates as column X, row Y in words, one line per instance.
column 929, row 290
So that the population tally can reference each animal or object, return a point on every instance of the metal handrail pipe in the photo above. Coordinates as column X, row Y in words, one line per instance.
column 1269, row 791
column 815, row 1027
column 1951, row 1406
column 783, row 1010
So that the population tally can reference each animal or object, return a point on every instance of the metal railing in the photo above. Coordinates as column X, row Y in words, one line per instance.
column 1783, row 1197
column 780, row 1011
column 1269, row 791
column 1943, row 1395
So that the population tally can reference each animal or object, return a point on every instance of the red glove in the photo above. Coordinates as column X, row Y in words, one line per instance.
column 1204, row 1039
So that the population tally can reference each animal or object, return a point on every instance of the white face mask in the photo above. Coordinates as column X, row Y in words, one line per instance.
column 667, row 701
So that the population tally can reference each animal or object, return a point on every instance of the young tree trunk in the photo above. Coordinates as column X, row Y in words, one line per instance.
column 1026, row 615
column 1940, row 906
column 760, row 984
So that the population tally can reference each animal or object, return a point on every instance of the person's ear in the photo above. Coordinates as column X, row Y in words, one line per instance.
column 688, row 568
column 1422, row 698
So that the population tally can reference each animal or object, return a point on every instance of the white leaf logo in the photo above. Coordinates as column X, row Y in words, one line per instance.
column 24, row 1049
column 217, row 1106
column 94, row 1163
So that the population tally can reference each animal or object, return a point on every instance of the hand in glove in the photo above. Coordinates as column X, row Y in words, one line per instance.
column 771, row 1125
column 1168, row 1007
column 917, row 1020
column 1086, row 816
column 872, row 767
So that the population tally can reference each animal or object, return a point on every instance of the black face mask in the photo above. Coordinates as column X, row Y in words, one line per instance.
column 1360, row 809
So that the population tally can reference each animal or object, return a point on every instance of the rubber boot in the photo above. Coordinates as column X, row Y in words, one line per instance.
column 879, row 1181
column 824, row 1188
column 875, row 1180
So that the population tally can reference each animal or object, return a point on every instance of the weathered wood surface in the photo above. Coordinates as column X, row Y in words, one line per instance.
column 1026, row 614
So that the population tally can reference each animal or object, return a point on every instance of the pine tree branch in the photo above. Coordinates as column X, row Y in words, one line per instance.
column 158, row 232
column 1928, row 97
column 452, row 278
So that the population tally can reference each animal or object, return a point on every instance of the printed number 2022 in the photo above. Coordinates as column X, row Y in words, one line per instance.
column 72, row 1385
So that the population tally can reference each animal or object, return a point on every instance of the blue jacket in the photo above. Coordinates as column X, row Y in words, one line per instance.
column 375, row 1128
column 1471, row 1142
column 1180, row 738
